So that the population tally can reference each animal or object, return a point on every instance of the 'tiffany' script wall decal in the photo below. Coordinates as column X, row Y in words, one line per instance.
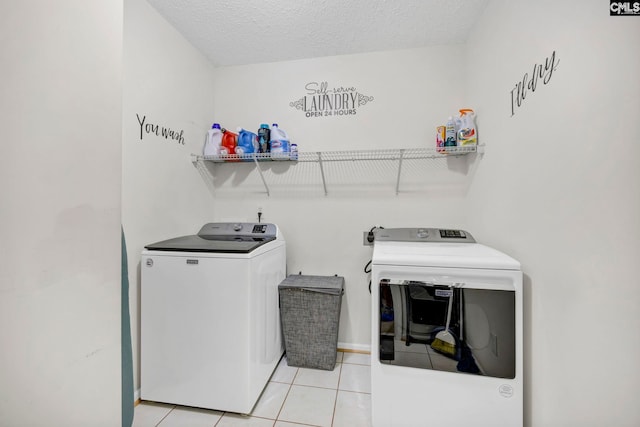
column 540, row 72
column 324, row 101
column 157, row 130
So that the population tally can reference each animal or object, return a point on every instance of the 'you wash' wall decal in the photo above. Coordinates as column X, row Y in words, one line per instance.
column 157, row 130
column 541, row 73
column 321, row 100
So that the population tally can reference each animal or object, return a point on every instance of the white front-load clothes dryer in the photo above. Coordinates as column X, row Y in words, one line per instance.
column 210, row 326
column 446, row 331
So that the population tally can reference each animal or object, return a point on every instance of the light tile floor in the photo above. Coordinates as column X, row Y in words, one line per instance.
column 293, row 397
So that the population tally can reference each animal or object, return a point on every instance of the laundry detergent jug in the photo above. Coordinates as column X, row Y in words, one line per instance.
column 279, row 143
column 247, row 142
column 214, row 141
column 228, row 145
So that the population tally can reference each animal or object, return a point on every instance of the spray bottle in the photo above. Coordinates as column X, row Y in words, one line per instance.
column 467, row 133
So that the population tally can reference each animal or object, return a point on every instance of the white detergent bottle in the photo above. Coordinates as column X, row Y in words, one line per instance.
column 450, row 134
column 279, row 143
column 213, row 142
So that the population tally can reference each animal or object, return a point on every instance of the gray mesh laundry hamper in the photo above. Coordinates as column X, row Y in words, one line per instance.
column 310, row 316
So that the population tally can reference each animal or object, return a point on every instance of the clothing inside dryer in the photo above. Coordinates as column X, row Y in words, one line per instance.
column 481, row 327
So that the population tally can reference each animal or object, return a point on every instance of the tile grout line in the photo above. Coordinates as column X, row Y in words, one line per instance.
column 310, row 386
column 335, row 403
column 286, row 396
column 167, row 414
column 219, row 419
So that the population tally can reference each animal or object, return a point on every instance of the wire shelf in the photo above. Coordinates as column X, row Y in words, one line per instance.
column 399, row 155
column 345, row 156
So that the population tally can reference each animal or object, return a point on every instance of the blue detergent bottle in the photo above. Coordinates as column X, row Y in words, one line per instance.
column 247, row 141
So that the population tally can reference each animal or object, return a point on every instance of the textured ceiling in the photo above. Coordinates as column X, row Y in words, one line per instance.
column 235, row 32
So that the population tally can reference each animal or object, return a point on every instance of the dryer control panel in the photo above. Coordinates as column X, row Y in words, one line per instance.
column 424, row 235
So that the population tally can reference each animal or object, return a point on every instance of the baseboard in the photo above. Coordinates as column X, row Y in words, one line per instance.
column 354, row 348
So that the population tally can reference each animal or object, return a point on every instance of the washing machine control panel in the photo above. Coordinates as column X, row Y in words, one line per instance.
column 246, row 229
column 423, row 235
column 453, row 234
column 259, row 228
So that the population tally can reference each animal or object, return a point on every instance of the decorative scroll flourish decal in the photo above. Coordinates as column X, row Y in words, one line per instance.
column 541, row 72
column 321, row 100
column 363, row 99
column 299, row 104
column 157, row 130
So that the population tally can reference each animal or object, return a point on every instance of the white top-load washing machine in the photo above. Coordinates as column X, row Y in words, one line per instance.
column 447, row 331
column 210, row 325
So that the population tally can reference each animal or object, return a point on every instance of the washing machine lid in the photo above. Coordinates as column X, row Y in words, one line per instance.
column 221, row 238
column 411, row 249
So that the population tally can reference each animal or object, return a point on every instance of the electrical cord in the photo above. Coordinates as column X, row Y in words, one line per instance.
column 371, row 238
column 367, row 270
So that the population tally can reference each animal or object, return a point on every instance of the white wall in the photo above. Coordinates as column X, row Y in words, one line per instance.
column 413, row 93
column 557, row 189
column 60, row 163
column 169, row 84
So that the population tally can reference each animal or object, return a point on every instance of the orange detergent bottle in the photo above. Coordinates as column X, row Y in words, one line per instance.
column 228, row 145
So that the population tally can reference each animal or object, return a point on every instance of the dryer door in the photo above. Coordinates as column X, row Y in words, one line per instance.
column 447, row 327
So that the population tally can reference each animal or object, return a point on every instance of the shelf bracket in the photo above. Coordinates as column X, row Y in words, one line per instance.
column 324, row 183
column 399, row 171
column 264, row 182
